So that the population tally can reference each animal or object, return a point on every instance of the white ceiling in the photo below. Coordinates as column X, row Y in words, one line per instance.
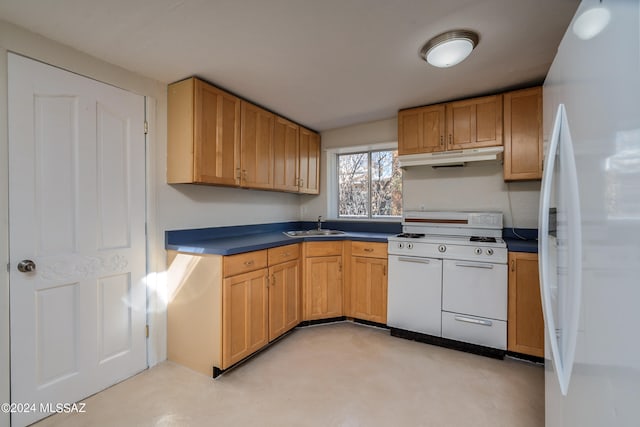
column 322, row 63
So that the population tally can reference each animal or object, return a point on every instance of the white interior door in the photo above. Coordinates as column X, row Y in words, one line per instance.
column 77, row 210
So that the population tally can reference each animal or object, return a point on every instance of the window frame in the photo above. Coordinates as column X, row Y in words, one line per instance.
column 333, row 193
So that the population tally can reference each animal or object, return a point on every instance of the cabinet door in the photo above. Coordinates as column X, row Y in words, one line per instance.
column 421, row 130
column 244, row 315
column 309, row 168
column 284, row 294
column 323, row 287
column 369, row 289
column 523, row 134
column 285, row 155
column 474, row 123
column 217, row 135
column 256, row 147
column 526, row 322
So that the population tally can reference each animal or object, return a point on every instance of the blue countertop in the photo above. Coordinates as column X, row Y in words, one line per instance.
column 517, row 245
column 240, row 239
column 521, row 239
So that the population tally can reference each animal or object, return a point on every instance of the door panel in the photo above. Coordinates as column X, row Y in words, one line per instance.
column 114, row 318
column 57, row 313
column 113, row 180
column 77, row 209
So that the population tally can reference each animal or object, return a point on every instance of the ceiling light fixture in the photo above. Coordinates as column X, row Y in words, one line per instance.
column 450, row 48
column 591, row 22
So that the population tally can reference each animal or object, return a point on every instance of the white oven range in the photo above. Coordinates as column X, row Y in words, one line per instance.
column 448, row 278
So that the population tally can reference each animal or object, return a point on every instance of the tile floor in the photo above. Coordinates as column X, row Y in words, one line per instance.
column 341, row 374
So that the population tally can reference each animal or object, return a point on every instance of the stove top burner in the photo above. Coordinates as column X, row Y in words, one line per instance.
column 411, row 235
column 482, row 239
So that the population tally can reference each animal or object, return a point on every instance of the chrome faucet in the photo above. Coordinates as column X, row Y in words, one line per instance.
column 319, row 222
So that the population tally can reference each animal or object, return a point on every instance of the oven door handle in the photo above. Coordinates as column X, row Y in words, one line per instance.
column 418, row 260
column 471, row 265
column 474, row 321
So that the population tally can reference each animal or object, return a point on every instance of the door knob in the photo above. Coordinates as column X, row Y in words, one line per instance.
column 26, row 266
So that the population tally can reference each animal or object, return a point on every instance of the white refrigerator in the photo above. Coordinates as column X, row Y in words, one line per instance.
column 589, row 222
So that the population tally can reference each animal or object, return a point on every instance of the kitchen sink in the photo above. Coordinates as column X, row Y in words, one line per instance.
column 317, row 233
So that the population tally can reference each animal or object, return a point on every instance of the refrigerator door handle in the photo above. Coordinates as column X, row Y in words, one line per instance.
column 569, row 312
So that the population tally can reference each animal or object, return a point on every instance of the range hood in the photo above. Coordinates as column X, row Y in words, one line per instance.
column 451, row 158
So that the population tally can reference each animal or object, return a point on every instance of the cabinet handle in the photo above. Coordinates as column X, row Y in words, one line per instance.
column 441, row 140
column 286, row 254
column 513, row 265
column 249, row 263
column 238, row 175
column 368, row 249
column 474, row 321
column 450, row 139
column 339, row 267
column 469, row 265
column 301, row 182
column 416, row 260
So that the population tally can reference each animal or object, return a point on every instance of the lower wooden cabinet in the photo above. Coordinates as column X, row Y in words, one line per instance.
column 284, row 294
column 525, row 321
column 368, row 282
column 323, row 280
column 224, row 308
column 369, row 289
column 244, row 315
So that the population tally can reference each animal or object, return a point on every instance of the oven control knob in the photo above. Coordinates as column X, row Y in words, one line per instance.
column 478, row 251
column 489, row 251
column 409, row 245
column 442, row 248
column 400, row 245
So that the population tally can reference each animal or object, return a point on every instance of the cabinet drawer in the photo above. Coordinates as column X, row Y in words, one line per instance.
column 369, row 249
column 242, row 263
column 283, row 254
column 323, row 248
column 474, row 330
column 477, row 289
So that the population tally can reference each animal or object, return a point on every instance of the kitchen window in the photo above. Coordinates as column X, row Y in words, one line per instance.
column 368, row 185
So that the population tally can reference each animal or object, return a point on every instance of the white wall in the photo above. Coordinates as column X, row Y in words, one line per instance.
column 477, row 186
column 198, row 206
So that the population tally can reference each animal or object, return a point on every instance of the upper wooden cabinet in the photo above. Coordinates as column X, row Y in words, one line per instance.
column 256, row 147
column 474, row 123
column 523, row 134
column 286, row 155
column 421, row 130
column 309, row 168
column 471, row 123
column 216, row 138
column 526, row 323
column 203, row 134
